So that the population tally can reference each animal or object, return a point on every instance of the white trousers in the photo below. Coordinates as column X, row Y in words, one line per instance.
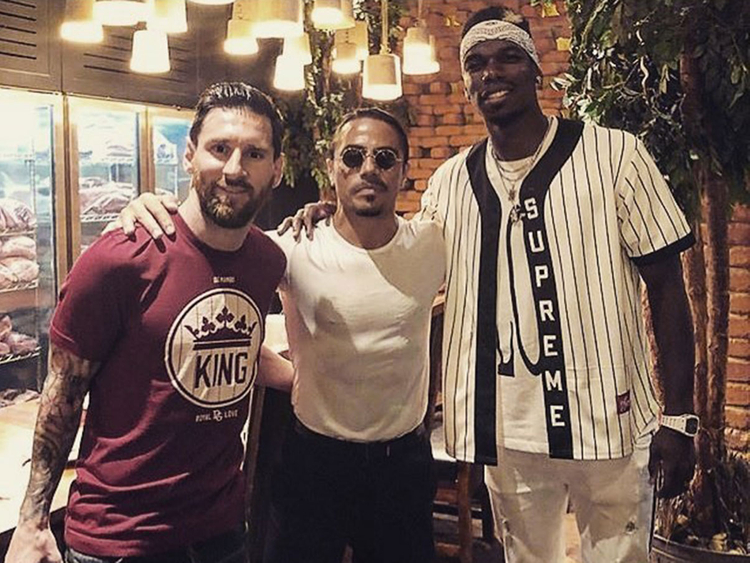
column 612, row 501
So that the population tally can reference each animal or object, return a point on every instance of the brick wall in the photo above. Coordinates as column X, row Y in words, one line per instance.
column 738, row 370
column 444, row 123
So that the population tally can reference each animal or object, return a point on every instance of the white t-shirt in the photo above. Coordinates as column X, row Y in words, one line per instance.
column 358, row 326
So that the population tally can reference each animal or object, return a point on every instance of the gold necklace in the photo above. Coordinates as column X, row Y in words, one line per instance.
column 516, row 213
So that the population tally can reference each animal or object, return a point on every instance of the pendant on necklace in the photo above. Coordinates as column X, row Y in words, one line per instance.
column 512, row 194
column 516, row 214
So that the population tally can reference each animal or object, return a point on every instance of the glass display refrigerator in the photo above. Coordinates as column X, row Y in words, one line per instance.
column 30, row 236
column 108, row 152
column 119, row 150
column 168, row 134
column 105, row 162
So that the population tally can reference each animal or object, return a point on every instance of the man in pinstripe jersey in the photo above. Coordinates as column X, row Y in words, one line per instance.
column 550, row 226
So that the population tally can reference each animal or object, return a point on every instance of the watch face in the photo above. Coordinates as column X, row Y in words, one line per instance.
column 691, row 425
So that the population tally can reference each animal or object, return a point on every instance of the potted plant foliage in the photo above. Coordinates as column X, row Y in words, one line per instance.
column 677, row 74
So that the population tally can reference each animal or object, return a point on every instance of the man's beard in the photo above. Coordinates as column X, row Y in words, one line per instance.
column 369, row 211
column 221, row 212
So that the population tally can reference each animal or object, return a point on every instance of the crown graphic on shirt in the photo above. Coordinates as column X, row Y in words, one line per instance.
column 223, row 331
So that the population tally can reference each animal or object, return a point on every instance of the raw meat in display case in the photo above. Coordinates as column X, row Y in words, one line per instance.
column 27, row 236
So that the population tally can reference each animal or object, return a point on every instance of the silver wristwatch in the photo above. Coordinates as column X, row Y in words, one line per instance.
column 687, row 424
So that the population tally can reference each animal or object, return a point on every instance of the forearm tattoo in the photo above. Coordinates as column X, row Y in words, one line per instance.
column 60, row 407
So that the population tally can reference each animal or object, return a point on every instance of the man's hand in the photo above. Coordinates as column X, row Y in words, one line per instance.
column 306, row 217
column 673, row 460
column 32, row 544
column 150, row 210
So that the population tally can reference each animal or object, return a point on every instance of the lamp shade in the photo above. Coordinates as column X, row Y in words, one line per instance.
column 279, row 18
column 327, row 14
column 345, row 59
column 120, row 12
column 169, row 16
column 419, row 52
column 299, row 47
column 358, row 35
column 150, row 52
column 79, row 24
column 240, row 39
column 361, row 39
column 289, row 74
column 213, row 2
column 382, row 77
column 332, row 20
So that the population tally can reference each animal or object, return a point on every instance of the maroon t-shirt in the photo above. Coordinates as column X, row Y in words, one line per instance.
column 177, row 327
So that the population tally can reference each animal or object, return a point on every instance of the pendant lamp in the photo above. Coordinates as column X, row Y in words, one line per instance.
column 120, row 12
column 345, row 59
column 289, row 74
column 278, row 18
column 358, row 35
column 150, row 52
column 419, row 51
column 79, row 25
column 327, row 14
column 170, row 16
column 382, row 75
column 213, row 2
column 335, row 18
column 240, row 39
column 299, row 47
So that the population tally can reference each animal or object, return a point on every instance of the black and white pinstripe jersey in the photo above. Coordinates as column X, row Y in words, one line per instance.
column 544, row 344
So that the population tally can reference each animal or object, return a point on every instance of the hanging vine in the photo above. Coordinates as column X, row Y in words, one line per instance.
column 312, row 115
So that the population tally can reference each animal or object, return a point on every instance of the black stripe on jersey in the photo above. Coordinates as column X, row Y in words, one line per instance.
column 676, row 247
column 613, row 300
column 486, row 322
column 564, row 301
column 551, row 363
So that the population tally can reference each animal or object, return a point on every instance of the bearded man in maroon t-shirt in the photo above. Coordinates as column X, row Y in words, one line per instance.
column 166, row 338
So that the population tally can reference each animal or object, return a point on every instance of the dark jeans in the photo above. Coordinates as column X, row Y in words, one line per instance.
column 230, row 547
column 375, row 497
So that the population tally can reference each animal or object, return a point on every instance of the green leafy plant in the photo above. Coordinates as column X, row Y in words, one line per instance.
column 675, row 72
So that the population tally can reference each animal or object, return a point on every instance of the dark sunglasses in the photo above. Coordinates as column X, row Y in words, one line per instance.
column 385, row 158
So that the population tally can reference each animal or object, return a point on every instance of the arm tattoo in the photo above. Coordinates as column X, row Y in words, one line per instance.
column 60, row 407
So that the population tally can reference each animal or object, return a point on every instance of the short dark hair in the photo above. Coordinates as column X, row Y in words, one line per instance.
column 380, row 115
column 496, row 13
column 237, row 95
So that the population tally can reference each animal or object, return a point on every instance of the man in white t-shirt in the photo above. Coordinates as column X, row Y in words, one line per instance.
column 357, row 466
